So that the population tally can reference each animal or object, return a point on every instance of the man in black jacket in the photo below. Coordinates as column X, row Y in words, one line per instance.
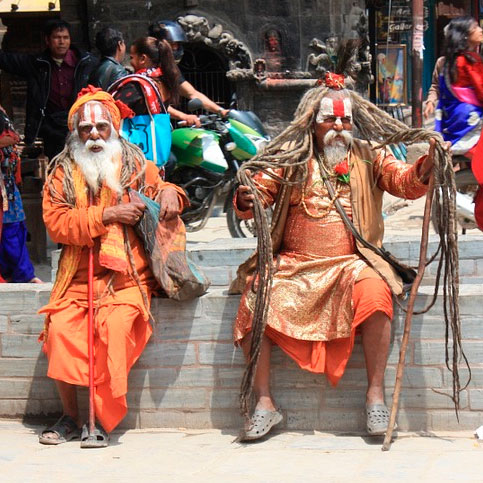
column 54, row 78
column 110, row 44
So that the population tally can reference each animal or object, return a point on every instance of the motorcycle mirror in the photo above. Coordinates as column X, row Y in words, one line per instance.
column 194, row 104
column 234, row 101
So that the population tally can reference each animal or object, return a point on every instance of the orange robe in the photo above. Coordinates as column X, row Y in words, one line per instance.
column 322, row 289
column 121, row 319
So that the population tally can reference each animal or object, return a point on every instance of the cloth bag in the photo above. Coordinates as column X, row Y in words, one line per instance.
column 165, row 246
column 151, row 133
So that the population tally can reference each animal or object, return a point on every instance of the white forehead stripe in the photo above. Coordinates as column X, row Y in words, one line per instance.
column 334, row 108
column 93, row 113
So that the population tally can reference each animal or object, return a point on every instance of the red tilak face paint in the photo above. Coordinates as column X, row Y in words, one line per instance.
column 337, row 108
column 94, row 121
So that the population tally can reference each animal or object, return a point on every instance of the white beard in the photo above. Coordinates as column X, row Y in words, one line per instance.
column 335, row 149
column 98, row 166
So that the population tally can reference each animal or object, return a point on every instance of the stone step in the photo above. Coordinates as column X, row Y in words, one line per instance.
column 233, row 251
column 221, row 258
column 190, row 373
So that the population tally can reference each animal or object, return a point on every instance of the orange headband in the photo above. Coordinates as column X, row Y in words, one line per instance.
column 117, row 109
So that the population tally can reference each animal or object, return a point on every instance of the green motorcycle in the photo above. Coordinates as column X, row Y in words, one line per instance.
column 204, row 162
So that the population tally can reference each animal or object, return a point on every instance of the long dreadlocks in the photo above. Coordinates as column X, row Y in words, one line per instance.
column 133, row 161
column 379, row 129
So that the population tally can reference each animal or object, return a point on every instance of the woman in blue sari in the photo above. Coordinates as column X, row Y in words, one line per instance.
column 460, row 108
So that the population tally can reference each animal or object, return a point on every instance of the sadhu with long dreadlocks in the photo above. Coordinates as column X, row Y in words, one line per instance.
column 323, row 284
column 86, row 204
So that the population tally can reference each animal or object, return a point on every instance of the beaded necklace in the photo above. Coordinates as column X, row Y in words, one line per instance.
column 324, row 173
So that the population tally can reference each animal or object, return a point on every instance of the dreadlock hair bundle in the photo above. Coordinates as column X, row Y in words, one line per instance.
column 133, row 161
column 291, row 151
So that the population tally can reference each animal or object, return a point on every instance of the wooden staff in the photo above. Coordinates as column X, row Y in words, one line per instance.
column 409, row 314
column 90, row 337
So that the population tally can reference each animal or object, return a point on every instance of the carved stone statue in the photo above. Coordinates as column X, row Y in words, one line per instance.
column 259, row 69
column 198, row 30
column 324, row 56
column 273, row 50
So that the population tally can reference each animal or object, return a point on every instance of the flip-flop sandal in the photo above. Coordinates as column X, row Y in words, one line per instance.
column 98, row 439
column 261, row 422
column 377, row 419
column 65, row 428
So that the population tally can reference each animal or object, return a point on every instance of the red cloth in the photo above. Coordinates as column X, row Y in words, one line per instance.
column 62, row 83
column 122, row 332
column 479, row 208
column 477, row 161
column 370, row 295
column 470, row 74
column 122, row 326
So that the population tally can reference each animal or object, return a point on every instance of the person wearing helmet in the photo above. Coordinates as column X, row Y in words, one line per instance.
column 175, row 35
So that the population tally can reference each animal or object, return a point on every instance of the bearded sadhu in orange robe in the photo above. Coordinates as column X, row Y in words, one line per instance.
column 123, row 281
column 326, row 284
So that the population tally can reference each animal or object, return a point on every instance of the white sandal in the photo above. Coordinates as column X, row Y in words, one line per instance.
column 377, row 419
column 261, row 422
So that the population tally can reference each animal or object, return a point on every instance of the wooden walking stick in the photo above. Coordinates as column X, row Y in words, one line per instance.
column 90, row 337
column 409, row 314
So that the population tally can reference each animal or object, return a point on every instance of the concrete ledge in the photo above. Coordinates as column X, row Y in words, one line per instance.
column 220, row 258
column 190, row 373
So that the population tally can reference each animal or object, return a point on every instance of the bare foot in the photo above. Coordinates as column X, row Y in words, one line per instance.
column 266, row 402
column 35, row 280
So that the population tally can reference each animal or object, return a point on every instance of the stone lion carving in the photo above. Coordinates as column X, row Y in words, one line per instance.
column 323, row 58
column 198, row 29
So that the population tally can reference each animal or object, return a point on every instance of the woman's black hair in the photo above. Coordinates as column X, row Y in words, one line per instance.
column 456, row 43
column 161, row 55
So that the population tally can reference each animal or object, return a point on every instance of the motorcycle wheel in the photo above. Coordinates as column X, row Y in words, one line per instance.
column 242, row 228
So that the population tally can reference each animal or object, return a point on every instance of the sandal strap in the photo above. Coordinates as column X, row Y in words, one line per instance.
column 63, row 426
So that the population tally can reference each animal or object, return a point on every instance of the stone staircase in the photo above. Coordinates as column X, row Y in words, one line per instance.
column 190, row 373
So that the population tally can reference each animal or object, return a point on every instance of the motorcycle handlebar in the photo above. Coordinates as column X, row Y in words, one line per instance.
column 205, row 119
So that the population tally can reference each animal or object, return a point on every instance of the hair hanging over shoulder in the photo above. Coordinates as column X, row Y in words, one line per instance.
column 132, row 170
column 456, row 43
column 293, row 150
column 161, row 55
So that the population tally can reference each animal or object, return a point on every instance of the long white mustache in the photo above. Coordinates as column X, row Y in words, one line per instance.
column 98, row 143
column 98, row 166
column 330, row 137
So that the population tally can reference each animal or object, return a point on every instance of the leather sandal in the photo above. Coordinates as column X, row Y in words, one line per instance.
column 261, row 422
column 377, row 419
column 98, row 439
column 65, row 428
